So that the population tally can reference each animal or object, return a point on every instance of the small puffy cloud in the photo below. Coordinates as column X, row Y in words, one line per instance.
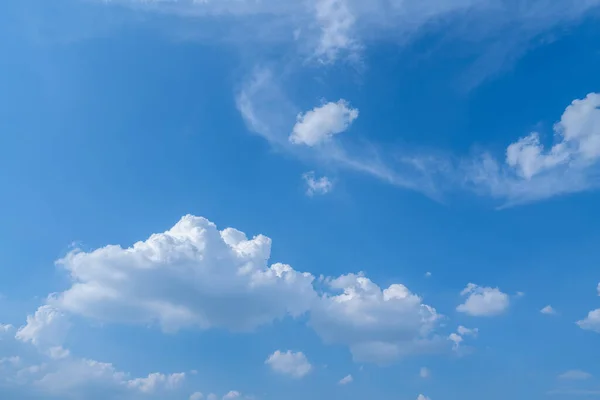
column 289, row 363
column 591, row 322
column 48, row 327
column 422, row 397
column 467, row 331
column 457, row 337
column 196, row 396
column 598, row 289
column 233, row 394
column 424, row 373
column 190, row 275
column 575, row 375
column 548, row 310
column 315, row 186
column 323, row 122
column 346, row 380
column 156, row 381
column 212, row 396
column 379, row 325
column 483, row 301
column 427, row 274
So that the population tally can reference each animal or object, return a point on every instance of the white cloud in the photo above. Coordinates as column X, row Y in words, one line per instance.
column 196, row 396
column 337, row 22
column 456, row 339
column 575, row 375
column 322, row 123
column 315, row 185
column 289, row 363
column 378, row 325
column 57, row 352
column 194, row 275
column 483, row 301
column 156, row 381
column 190, row 275
column 598, row 289
column 422, row 397
column 427, row 274
column 548, row 310
column 5, row 328
column 424, row 373
column 233, row 394
column 212, row 396
column 591, row 322
column 533, row 172
column 346, row 380
column 46, row 328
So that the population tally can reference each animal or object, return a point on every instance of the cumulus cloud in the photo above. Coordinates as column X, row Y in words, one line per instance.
column 196, row 276
column 289, row 363
column 424, row 373
column 316, row 186
column 190, row 275
column 346, row 380
column 379, row 325
column 531, row 171
column 48, row 327
column 157, row 380
column 323, row 122
column 196, row 396
column 548, row 310
column 483, row 301
column 576, row 375
column 422, row 397
column 591, row 322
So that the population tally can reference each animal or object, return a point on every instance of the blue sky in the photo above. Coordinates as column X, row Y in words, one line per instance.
column 224, row 199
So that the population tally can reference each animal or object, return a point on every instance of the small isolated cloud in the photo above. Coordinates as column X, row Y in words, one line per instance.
column 591, row 322
column 467, row 331
column 322, row 123
column 424, row 373
column 457, row 337
column 483, row 301
column 575, row 375
column 196, row 396
column 316, row 186
column 548, row 310
column 289, row 363
column 427, row 274
column 346, row 380
column 422, row 397
column 598, row 289
column 212, row 396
